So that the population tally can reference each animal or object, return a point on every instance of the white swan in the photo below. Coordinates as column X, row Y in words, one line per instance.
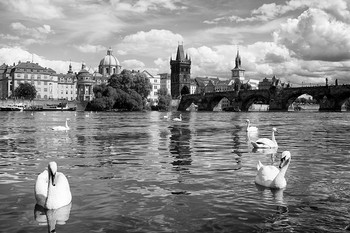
column 166, row 116
column 265, row 142
column 272, row 177
column 52, row 189
column 60, row 127
column 178, row 119
column 250, row 128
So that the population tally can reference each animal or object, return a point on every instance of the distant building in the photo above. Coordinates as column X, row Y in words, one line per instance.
column 45, row 79
column 238, row 71
column 266, row 83
column 165, row 82
column 180, row 73
column 254, row 83
column 85, row 83
column 193, row 86
column 67, row 88
column 155, row 83
column 109, row 65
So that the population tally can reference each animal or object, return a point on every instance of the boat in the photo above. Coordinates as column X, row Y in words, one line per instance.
column 58, row 107
column 13, row 107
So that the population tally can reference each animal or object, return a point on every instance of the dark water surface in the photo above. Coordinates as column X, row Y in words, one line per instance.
column 139, row 172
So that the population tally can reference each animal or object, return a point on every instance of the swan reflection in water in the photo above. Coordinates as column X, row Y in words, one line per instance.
column 279, row 219
column 52, row 217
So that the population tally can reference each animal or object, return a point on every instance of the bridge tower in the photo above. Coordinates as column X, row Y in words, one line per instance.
column 180, row 73
column 238, row 72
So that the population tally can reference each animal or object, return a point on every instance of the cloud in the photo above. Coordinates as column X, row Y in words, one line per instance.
column 39, row 33
column 11, row 55
column 271, row 11
column 133, row 64
column 36, row 9
column 316, row 35
column 88, row 48
column 162, row 64
column 152, row 43
column 142, row 6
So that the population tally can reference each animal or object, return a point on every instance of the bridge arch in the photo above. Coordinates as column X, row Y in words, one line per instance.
column 246, row 103
column 185, row 90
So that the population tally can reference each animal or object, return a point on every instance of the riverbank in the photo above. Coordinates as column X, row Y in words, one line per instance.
column 78, row 105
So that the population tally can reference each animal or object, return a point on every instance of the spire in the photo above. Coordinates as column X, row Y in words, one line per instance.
column 70, row 71
column 238, row 60
column 180, row 55
column 109, row 51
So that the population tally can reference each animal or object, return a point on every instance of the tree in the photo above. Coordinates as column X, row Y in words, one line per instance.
column 25, row 91
column 121, row 81
column 141, row 84
column 164, row 99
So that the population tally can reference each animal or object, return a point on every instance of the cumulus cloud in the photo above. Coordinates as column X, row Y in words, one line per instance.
column 154, row 42
column 133, row 64
column 316, row 35
column 89, row 48
column 162, row 64
column 271, row 11
column 37, row 9
column 11, row 55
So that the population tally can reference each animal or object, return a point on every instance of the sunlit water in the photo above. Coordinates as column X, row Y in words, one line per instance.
column 140, row 172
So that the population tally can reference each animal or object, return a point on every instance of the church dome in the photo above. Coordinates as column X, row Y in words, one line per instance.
column 109, row 59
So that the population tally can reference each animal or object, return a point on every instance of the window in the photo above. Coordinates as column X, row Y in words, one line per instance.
column 45, row 89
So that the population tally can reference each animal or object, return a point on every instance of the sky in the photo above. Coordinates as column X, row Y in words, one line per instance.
column 298, row 41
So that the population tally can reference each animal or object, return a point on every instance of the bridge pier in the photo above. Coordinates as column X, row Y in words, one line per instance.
column 329, row 105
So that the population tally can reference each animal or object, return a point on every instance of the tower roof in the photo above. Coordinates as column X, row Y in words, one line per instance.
column 238, row 60
column 180, row 55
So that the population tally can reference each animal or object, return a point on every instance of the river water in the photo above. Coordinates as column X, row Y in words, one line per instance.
column 140, row 172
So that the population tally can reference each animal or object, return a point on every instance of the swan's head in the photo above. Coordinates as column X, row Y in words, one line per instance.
column 285, row 159
column 52, row 169
column 274, row 129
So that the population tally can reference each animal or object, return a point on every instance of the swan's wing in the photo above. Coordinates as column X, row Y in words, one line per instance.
column 266, row 175
column 264, row 141
column 252, row 129
column 40, row 189
column 62, row 188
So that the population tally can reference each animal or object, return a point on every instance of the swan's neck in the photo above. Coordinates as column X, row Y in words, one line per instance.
column 50, row 191
column 280, row 181
column 66, row 124
column 273, row 137
column 248, row 125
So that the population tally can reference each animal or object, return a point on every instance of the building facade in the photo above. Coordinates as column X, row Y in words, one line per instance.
column 180, row 73
column 165, row 82
column 155, row 83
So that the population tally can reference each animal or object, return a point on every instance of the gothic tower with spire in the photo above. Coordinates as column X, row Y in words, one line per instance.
column 180, row 73
column 238, row 71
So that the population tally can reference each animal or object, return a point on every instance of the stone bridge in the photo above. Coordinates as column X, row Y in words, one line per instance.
column 330, row 98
